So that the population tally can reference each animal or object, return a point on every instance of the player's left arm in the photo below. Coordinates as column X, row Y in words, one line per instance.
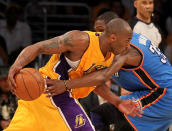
column 125, row 106
column 131, row 57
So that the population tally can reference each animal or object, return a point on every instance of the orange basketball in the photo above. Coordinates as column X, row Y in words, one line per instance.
column 30, row 84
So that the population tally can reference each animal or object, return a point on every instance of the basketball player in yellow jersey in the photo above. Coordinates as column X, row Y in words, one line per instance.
column 76, row 53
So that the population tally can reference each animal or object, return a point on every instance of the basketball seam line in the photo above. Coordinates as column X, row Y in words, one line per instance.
column 25, row 87
column 35, row 80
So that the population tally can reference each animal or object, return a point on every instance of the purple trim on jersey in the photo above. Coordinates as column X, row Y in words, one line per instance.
column 74, row 115
column 63, row 68
column 97, row 34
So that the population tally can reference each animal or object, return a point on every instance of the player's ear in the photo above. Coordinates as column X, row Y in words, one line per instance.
column 113, row 37
column 135, row 3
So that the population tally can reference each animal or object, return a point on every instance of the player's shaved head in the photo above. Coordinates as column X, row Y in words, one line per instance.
column 118, row 34
column 118, row 26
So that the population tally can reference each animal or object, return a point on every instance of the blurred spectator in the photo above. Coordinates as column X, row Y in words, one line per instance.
column 101, row 6
column 3, row 52
column 161, row 10
column 168, row 50
column 2, row 10
column 8, row 101
column 129, row 5
column 3, row 57
column 17, row 34
column 142, row 22
column 115, row 6
column 169, row 19
column 169, row 24
column 118, row 7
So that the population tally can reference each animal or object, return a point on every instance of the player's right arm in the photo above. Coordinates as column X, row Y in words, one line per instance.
column 68, row 42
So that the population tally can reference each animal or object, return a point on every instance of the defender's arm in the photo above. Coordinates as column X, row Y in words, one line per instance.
column 132, row 58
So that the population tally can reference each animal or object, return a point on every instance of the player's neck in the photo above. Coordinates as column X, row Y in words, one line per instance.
column 143, row 18
column 103, row 45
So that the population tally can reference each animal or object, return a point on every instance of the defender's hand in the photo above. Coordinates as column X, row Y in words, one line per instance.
column 128, row 107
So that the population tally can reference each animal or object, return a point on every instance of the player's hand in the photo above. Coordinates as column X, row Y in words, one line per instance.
column 4, row 124
column 129, row 107
column 12, row 72
column 54, row 87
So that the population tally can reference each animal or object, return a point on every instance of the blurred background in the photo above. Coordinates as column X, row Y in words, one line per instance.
column 30, row 21
column 25, row 22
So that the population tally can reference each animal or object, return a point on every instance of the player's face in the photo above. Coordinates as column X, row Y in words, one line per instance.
column 99, row 26
column 122, row 43
column 144, row 7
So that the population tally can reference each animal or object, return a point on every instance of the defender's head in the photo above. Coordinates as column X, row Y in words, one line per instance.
column 103, row 19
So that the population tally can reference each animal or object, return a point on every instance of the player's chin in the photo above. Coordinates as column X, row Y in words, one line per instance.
column 118, row 52
column 148, row 14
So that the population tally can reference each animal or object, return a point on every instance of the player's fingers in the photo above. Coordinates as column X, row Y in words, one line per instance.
column 13, row 90
column 138, row 109
column 139, row 113
column 49, row 90
column 48, row 81
column 132, row 112
column 51, row 94
column 12, row 87
column 11, row 81
column 16, row 70
column 136, row 112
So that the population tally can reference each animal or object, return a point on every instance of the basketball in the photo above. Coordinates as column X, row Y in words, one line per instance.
column 29, row 84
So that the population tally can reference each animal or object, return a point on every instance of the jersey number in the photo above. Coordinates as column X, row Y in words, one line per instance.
column 154, row 49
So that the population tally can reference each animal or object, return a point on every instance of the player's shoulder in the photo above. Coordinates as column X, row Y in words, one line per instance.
column 139, row 39
column 77, row 37
column 77, row 33
column 135, row 36
column 92, row 33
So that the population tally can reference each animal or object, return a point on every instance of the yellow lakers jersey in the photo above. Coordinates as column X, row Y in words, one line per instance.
column 91, row 60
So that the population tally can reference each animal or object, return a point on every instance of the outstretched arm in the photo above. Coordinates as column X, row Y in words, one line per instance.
column 125, row 106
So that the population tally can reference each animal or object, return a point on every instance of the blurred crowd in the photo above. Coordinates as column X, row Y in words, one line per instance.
column 17, row 32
